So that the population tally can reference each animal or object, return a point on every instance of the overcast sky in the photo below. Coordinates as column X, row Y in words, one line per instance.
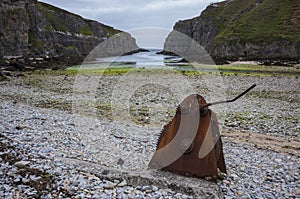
column 129, row 15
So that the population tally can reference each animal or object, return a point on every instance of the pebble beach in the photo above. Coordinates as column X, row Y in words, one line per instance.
column 61, row 141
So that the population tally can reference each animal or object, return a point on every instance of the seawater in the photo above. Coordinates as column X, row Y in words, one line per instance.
column 148, row 59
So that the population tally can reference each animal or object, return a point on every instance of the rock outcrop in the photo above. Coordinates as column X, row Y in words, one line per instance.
column 37, row 35
column 232, row 30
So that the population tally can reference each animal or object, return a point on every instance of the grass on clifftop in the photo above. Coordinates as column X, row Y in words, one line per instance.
column 257, row 21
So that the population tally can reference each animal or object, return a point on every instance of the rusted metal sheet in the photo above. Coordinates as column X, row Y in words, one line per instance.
column 190, row 144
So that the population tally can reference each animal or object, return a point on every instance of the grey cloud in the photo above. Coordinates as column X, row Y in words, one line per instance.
column 132, row 14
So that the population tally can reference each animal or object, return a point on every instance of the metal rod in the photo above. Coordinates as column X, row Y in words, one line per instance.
column 232, row 100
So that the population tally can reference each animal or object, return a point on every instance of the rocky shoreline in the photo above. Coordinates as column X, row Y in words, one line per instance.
column 48, row 151
column 263, row 62
column 19, row 63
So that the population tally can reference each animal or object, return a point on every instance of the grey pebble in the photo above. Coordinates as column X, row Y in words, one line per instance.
column 109, row 185
column 17, row 180
column 122, row 184
column 154, row 188
column 269, row 196
column 22, row 163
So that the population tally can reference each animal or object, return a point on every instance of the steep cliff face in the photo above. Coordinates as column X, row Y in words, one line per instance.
column 31, row 29
column 14, row 26
column 246, row 30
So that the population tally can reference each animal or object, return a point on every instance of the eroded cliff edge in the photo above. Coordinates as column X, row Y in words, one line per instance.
column 261, row 30
column 35, row 34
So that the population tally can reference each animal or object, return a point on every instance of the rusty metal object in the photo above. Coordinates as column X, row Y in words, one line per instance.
column 190, row 144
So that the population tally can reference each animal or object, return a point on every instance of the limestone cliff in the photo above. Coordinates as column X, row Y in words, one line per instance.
column 260, row 30
column 31, row 29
